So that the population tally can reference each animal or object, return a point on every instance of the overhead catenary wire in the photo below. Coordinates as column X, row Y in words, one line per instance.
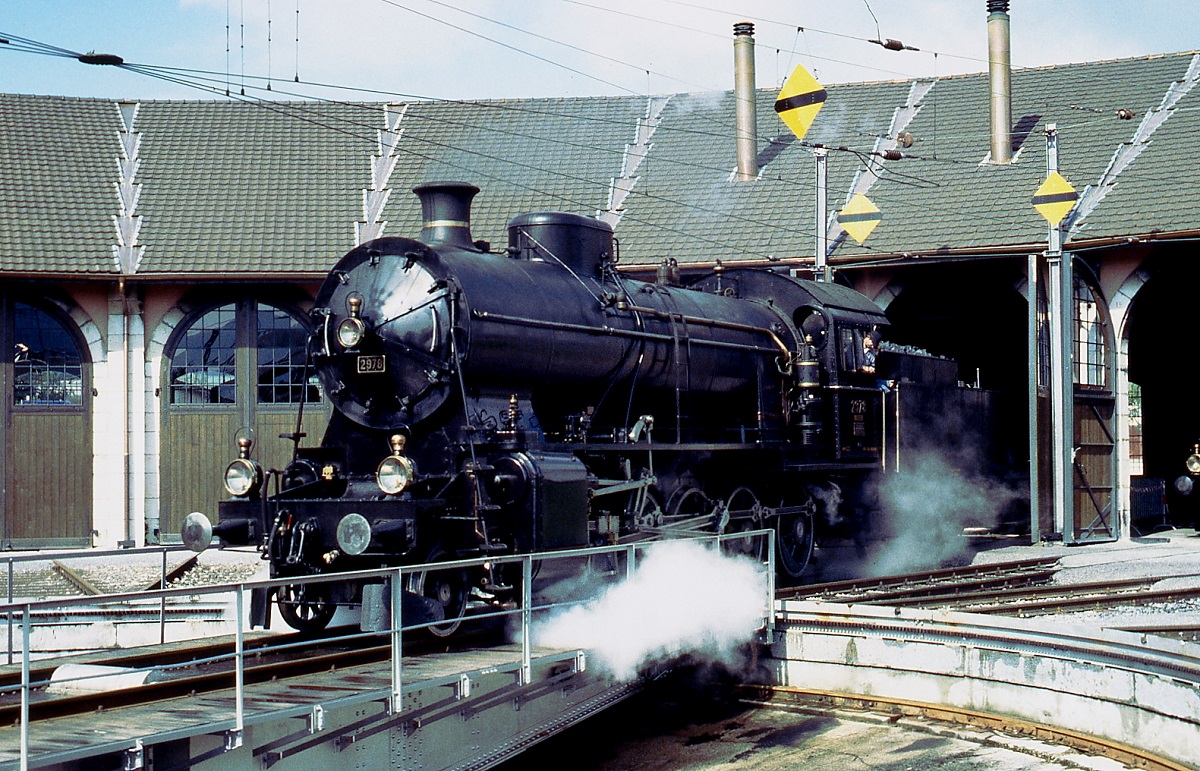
column 710, row 33
column 548, row 39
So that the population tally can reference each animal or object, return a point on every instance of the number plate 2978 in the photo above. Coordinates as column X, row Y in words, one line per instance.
column 368, row 365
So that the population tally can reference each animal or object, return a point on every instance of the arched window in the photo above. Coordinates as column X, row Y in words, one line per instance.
column 203, row 365
column 1091, row 361
column 204, row 362
column 47, row 365
column 282, row 367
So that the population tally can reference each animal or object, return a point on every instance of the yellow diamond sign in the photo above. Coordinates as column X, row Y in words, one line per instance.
column 859, row 217
column 1055, row 198
column 800, row 100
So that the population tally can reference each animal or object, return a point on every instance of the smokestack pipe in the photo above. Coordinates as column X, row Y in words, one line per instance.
column 446, row 212
column 1000, row 80
column 744, row 91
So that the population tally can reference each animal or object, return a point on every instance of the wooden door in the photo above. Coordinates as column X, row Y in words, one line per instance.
column 231, row 368
column 46, row 433
column 1094, row 509
column 1095, row 447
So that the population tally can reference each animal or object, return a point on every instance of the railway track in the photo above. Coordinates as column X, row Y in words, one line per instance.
column 1025, row 589
column 84, row 577
column 944, row 582
column 1067, row 598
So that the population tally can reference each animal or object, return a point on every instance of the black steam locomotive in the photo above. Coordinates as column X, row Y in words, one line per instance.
column 534, row 398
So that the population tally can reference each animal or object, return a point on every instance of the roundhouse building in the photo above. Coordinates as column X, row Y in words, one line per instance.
column 157, row 261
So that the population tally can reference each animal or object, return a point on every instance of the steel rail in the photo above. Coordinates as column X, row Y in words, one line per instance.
column 1066, row 600
column 80, row 554
column 824, row 701
column 1183, row 630
column 962, row 628
column 213, row 677
column 968, row 600
column 931, row 580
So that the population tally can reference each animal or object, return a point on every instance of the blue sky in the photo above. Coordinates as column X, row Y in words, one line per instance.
column 547, row 48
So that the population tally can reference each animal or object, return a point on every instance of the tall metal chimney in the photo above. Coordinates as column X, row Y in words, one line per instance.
column 744, row 91
column 1000, row 80
column 446, row 212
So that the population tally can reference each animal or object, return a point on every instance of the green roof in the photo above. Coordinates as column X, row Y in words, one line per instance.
column 226, row 187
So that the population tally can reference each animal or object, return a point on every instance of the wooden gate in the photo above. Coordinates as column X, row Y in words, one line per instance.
column 1094, row 493
column 1093, row 462
column 236, row 366
column 46, row 432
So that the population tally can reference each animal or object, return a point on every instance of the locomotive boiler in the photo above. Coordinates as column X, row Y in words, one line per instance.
column 497, row 401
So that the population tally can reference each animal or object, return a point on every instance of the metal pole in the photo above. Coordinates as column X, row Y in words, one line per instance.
column 25, row 689
column 10, row 599
column 395, row 704
column 162, row 601
column 1062, row 433
column 239, row 704
column 526, row 619
column 1031, row 342
column 821, row 267
column 771, row 586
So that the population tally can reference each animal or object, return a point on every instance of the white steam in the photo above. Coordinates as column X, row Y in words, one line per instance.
column 684, row 598
column 924, row 511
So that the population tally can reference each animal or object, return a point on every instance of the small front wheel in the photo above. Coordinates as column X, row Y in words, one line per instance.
column 305, row 607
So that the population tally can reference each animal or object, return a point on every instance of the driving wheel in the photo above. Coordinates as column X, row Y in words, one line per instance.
column 447, row 590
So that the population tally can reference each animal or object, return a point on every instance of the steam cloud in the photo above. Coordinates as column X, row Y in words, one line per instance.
column 684, row 598
column 924, row 511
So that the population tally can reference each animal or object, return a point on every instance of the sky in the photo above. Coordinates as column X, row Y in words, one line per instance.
column 490, row 49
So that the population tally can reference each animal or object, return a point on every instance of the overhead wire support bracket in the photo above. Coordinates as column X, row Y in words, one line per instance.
column 94, row 58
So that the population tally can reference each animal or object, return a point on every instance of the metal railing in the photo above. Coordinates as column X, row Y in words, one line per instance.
column 394, row 578
column 12, row 560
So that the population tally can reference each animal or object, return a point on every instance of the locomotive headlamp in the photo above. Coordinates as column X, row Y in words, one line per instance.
column 1193, row 460
column 243, row 476
column 395, row 472
column 350, row 330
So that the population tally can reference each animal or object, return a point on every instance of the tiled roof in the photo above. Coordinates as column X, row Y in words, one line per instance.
column 57, row 169
column 227, row 187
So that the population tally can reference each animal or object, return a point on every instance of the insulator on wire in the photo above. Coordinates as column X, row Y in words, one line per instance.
column 894, row 45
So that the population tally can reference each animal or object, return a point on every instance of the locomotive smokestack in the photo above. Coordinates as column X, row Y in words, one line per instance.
column 446, row 212
column 1000, row 80
column 744, row 86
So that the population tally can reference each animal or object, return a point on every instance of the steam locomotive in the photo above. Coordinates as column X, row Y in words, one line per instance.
column 533, row 398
